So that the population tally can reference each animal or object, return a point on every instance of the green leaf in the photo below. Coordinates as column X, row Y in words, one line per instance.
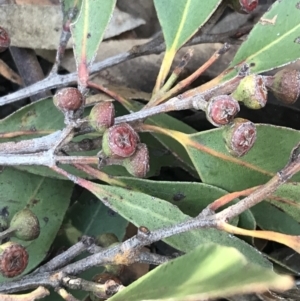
column 275, row 34
column 47, row 198
column 190, row 198
column 180, row 19
column 270, row 218
column 88, row 29
column 88, row 216
column 144, row 210
column 217, row 167
column 286, row 197
column 204, row 274
column 70, row 8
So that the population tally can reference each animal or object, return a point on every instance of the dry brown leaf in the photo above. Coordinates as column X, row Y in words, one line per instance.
column 8, row 73
column 39, row 26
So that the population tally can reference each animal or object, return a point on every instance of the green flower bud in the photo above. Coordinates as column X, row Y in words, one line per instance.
column 252, row 92
column 26, row 225
column 102, row 116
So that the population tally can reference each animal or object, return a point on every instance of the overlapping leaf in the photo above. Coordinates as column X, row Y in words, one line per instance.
column 88, row 29
column 217, row 167
column 274, row 40
column 204, row 274
column 144, row 210
column 47, row 198
column 180, row 19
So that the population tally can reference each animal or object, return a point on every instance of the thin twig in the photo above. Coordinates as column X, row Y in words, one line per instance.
column 124, row 253
column 38, row 293
column 155, row 46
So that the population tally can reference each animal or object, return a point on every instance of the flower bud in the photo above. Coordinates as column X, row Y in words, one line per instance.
column 286, row 85
column 252, row 92
column 239, row 136
column 26, row 225
column 102, row 116
column 138, row 164
column 120, row 141
column 243, row 6
column 68, row 99
column 13, row 259
column 4, row 39
column 221, row 110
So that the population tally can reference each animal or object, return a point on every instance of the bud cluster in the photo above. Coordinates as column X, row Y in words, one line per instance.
column 13, row 256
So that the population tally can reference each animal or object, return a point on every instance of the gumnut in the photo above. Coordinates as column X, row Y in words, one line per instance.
column 68, row 99
column 243, row 6
column 13, row 259
column 252, row 92
column 138, row 164
column 102, row 116
column 26, row 225
column 286, row 85
column 221, row 110
column 120, row 141
column 239, row 136
column 4, row 39
column 109, row 280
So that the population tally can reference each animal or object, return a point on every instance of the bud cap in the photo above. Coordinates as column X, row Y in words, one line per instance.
column 13, row 259
column 26, row 224
column 120, row 141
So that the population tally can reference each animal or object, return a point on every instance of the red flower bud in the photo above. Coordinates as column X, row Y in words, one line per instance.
column 102, row 116
column 138, row 164
column 68, row 99
column 243, row 6
column 286, row 85
column 120, row 141
column 13, row 259
column 4, row 39
column 239, row 136
column 221, row 110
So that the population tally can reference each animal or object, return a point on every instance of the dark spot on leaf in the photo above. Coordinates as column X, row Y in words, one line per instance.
column 4, row 211
column 121, row 198
column 178, row 197
column 105, row 199
column 111, row 213
column 46, row 219
column 88, row 35
column 252, row 64
column 297, row 40
column 56, row 29
column 33, row 202
column 298, row 5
